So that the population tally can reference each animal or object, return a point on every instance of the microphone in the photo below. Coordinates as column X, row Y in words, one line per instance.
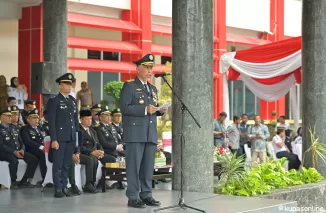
column 163, row 74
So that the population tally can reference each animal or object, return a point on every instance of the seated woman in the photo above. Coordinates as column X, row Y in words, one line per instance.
column 297, row 145
column 282, row 151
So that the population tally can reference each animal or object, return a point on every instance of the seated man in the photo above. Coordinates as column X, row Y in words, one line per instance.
column 33, row 137
column 282, row 151
column 116, row 122
column 95, row 109
column 90, row 145
column 83, row 156
column 12, row 149
column 107, row 134
column 109, row 137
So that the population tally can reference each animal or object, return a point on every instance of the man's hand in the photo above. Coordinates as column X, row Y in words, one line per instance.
column 151, row 109
column 95, row 153
column 22, row 152
column 75, row 158
column 120, row 147
column 55, row 145
column 18, row 155
column 163, row 110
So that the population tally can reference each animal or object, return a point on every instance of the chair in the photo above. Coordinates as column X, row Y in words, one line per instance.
column 248, row 157
column 5, row 177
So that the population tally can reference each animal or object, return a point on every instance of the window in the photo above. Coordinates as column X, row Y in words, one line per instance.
column 97, row 80
column 242, row 100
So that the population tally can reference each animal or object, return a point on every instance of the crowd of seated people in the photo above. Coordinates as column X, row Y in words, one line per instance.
column 22, row 134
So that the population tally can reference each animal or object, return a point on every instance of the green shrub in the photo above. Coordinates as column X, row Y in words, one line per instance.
column 264, row 178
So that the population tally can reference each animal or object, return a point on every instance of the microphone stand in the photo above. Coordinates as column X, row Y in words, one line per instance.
column 184, row 108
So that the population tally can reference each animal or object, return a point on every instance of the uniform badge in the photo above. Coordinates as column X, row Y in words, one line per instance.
column 141, row 101
column 33, row 137
column 7, row 138
column 15, row 108
column 70, row 76
column 138, row 89
column 36, row 111
column 151, row 57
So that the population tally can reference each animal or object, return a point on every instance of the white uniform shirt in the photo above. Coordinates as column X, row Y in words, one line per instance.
column 277, row 140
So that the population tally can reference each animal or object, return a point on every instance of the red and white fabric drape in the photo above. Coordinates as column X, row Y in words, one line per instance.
column 269, row 71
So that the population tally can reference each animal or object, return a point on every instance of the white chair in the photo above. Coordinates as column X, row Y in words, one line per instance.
column 37, row 176
column 248, row 157
column 5, row 176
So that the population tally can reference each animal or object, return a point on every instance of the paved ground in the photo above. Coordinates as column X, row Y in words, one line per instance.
column 33, row 201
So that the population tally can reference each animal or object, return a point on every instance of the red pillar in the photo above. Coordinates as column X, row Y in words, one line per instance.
column 276, row 27
column 140, row 14
column 219, row 49
column 30, row 46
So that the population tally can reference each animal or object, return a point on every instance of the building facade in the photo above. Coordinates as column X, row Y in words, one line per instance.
column 104, row 37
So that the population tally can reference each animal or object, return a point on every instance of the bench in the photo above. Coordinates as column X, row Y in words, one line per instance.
column 119, row 174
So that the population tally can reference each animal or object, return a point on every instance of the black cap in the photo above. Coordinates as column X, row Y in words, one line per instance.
column 66, row 78
column 33, row 113
column 6, row 111
column 96, row 107
column 104, row 110
column 14, row 109
column 146, row 60
column 85, row 113
column 116, row 111
column 30, row 102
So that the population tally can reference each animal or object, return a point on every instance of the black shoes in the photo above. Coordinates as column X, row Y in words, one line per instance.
column 74, row 190
column 89, row 188
column 58, row 193
column 67, row 192
column 151, row 201
column 14, row 185
column 25, row 184
column 142, row 203
column 136, row 204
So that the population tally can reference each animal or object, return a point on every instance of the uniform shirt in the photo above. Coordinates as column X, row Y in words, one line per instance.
column 119, row 130
column 278, row 140
column 258, row 144
column 10, row 141
column 141, row 127
column 62, row 118
column 85, row 97
column 33, row 137
column 108, row 138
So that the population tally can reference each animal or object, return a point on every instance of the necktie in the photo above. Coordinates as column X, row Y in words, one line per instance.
column 146, row 88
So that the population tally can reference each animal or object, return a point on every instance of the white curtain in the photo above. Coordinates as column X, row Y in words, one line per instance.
column 262, row 70
column 269, row 92
column 226, row 99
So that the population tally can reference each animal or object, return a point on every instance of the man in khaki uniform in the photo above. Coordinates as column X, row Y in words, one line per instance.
column 85, row 96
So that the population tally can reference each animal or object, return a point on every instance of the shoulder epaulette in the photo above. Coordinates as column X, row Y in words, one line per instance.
column 130, row 80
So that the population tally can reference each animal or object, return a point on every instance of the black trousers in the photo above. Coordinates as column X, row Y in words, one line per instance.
column 294, row 162
column 107, row 159
column 29, row 159
column 91, row 165
column 41, row 157
column 62, row 160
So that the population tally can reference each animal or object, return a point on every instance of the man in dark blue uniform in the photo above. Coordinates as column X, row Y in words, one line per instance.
column 33, row 136
column 12, row 148
column 116, row 122
column 63, row 125
column 138, row 105
column 95, row 109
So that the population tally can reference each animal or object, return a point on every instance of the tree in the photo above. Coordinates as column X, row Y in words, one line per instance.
column 165, row 96
column 113, row 89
